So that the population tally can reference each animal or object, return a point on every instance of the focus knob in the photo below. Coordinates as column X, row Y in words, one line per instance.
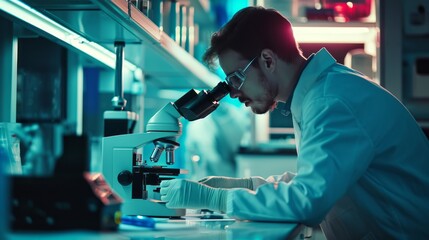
column 125, row 178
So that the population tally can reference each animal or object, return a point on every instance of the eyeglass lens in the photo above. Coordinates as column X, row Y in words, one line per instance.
column 235, row 80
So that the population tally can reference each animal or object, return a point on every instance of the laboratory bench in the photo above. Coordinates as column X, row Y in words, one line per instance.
column 188, row 227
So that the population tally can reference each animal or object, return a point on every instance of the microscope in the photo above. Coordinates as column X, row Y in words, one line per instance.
column 130, row 176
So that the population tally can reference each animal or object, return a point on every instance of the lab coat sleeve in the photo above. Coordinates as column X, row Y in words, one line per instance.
column 335, row 151
column 286, row 177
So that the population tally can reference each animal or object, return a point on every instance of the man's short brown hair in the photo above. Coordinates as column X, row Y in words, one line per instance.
column 251, row 30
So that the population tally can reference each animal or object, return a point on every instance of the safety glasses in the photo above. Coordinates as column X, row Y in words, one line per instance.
column 236, row 79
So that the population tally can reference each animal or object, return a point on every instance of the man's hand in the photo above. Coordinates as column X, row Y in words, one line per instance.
column 181, row 193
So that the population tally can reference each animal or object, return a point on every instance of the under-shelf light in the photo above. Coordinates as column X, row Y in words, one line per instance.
column 334, row 34
column 31, row 16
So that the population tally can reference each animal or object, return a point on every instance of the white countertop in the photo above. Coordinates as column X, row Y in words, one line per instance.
column 190, row 227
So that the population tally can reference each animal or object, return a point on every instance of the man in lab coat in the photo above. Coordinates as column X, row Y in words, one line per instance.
column 362, row 158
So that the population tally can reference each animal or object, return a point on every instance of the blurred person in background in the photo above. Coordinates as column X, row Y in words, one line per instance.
column 210, row 144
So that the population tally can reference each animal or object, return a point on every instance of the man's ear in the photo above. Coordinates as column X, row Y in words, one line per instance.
column 268, row 58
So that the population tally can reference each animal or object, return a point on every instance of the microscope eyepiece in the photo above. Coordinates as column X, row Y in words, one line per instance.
column 220, row 91
column 196, row 105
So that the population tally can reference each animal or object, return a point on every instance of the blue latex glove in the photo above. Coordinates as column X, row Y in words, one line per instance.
column 182, row 193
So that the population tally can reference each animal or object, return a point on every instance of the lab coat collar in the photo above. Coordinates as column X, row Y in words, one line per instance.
column 286, row 109
column 318, row 64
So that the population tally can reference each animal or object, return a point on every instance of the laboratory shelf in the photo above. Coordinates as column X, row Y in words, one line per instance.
column 93, row 26
column 159, row 55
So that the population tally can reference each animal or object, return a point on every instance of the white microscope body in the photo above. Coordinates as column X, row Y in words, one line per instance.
column 128, row 174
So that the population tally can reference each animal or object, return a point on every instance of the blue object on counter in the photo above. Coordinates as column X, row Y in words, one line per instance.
column 140, row 221
column 212, row 216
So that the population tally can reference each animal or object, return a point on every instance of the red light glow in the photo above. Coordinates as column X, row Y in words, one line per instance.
column 350, row 10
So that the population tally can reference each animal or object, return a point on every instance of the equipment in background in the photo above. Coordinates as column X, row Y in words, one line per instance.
column 69, row 198
column 67, row 201
column 130, row 176
column 349, row 10
column 119, row 121
column 340, row 10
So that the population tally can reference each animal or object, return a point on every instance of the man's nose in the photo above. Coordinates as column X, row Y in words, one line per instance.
column 234, row 93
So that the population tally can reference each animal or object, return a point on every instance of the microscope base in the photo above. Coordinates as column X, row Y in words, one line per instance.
column 149, row 208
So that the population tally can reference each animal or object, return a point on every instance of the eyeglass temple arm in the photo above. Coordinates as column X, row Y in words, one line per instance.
column 250, row 63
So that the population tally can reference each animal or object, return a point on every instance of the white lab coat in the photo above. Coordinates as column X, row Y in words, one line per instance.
column 362, row 162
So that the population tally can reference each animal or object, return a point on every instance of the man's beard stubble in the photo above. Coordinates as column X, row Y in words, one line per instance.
column 268, row 98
